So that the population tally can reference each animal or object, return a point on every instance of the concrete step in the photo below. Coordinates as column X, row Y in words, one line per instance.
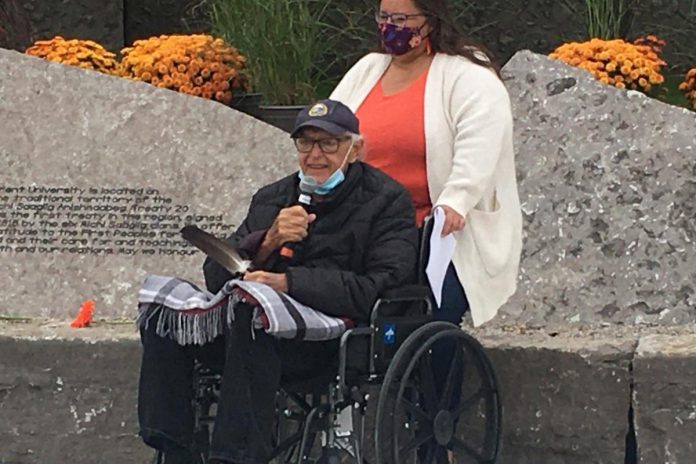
column 69, row 395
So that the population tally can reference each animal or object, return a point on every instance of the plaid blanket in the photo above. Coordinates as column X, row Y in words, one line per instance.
column 191, row 315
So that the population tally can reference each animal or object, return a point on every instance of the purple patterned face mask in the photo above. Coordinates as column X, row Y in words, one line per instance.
column 399, row 40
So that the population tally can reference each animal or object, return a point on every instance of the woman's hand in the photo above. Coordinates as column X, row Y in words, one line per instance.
column 453, row 220
column 277, row 281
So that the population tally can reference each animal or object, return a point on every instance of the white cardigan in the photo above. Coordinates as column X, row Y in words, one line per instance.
column 470, row 168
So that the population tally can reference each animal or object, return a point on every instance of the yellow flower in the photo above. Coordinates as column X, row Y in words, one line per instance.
column 220, row 96
column 194, row 64
column 85, row 54
column 688, row 86
column 615, row 62
column 656, row 78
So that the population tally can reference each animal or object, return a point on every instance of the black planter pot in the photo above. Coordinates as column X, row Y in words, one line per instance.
column 282, row 117
column 247, row 103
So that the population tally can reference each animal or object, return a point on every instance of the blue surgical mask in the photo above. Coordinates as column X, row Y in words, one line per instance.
column 309, row 184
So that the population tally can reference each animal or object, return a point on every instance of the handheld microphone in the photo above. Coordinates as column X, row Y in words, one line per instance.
column 290, row 250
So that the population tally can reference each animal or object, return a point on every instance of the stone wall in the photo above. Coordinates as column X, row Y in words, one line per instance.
column 70, row 401
column 70, row 395
column 664, row 398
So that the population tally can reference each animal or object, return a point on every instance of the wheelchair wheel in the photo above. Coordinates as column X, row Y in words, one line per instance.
column 387, row 395
column 427, row 411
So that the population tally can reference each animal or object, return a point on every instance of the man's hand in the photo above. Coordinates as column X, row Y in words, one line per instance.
column 453, row 220
column 277, row 281
column 289, row 226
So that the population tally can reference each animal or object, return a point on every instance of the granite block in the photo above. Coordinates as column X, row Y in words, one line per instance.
column 102, row 172
column 565, row 396
column 606, row 180
column 664, row 398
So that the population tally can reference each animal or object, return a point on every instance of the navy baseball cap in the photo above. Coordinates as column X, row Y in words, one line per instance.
column 329, row 115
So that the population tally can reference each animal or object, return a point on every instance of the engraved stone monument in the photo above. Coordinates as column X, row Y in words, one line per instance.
column 100, row 173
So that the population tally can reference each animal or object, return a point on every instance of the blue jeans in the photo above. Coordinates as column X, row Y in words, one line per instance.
column 454, row 303
column 453, row 306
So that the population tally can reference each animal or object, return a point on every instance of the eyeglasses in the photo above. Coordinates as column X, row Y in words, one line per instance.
column 397, row 19
column 328, row 145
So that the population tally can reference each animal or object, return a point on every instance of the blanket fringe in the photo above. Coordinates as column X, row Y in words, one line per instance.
column 185, row 328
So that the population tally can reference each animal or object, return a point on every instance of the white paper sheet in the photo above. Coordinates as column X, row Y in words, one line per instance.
column 441, row 251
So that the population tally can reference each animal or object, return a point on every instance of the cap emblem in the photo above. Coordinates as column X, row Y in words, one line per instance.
column 318, row 110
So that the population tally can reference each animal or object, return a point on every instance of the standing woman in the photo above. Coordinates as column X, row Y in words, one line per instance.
column 436, row 117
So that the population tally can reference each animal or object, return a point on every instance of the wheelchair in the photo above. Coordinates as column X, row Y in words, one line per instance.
column 422, row 415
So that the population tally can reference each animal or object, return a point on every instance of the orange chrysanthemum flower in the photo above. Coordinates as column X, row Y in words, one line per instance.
column 85, row 54
column 689, row 86
column 196, row 64
column 623, row 64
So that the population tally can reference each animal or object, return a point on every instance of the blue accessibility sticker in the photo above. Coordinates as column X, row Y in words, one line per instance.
column 389, row 334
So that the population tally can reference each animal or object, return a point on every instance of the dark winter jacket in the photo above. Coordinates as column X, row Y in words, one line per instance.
column 363, row 242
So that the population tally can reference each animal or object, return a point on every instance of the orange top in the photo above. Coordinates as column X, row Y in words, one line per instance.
column 393, row 127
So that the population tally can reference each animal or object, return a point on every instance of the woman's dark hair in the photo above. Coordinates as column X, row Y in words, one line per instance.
column 446, row 37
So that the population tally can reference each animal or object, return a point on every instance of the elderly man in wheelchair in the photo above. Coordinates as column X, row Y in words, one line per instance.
column 217, row 386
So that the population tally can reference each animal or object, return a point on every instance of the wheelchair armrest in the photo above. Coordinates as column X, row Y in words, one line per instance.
column 387, row 305
column 407, row 293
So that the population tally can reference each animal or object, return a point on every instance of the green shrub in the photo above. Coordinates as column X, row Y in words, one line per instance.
column 282, row 40
column 609, row 19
